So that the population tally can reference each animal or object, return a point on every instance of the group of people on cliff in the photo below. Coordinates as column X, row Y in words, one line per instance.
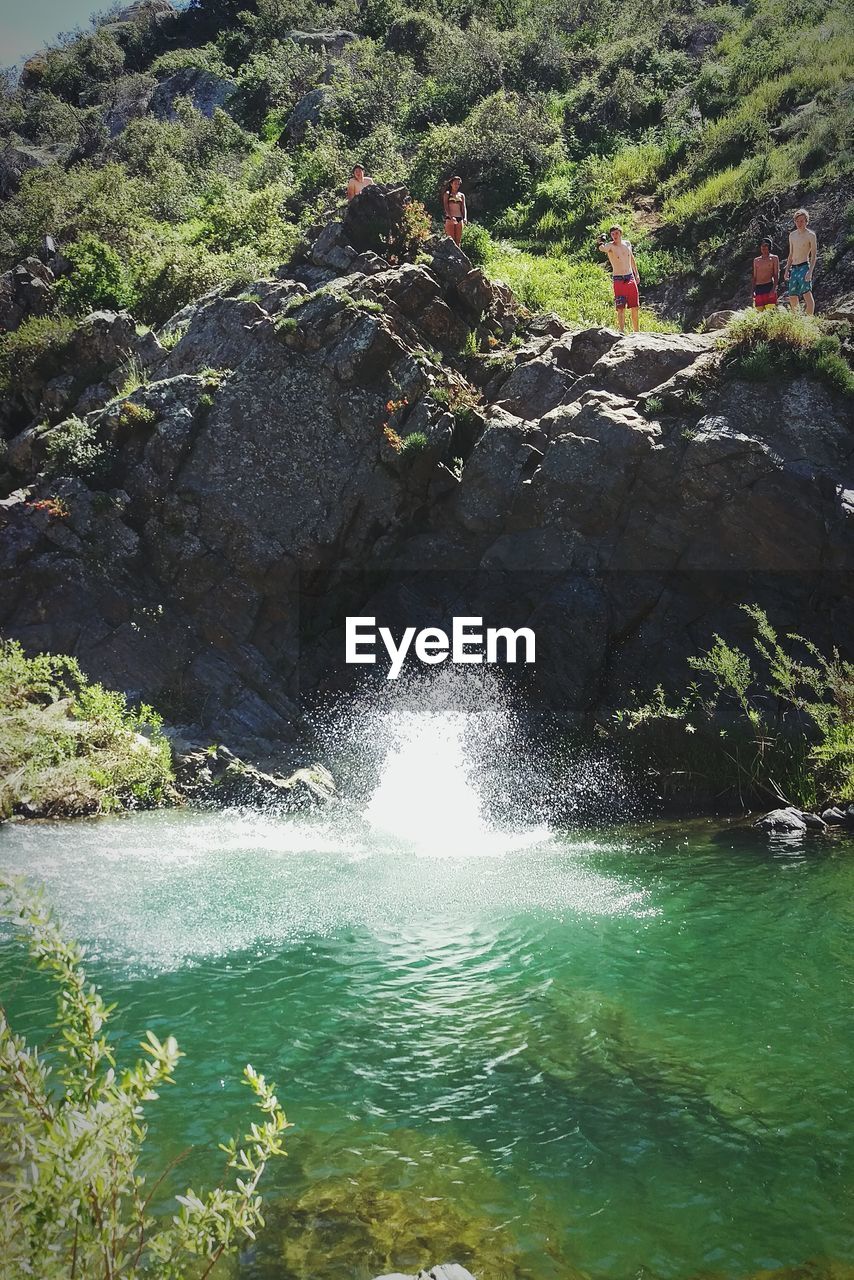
column 797, row 274
column 453, row 200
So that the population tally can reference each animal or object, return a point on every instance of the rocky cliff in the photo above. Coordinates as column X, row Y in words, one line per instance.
column 193, row 512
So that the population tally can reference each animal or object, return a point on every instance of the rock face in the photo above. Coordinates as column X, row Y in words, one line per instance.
column 25, row 291
column 206, row 91
column 622, row 497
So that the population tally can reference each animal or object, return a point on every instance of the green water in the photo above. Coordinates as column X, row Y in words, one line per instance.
column 617, row 1053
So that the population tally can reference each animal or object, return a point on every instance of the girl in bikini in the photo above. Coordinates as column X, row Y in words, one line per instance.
column 455, row 209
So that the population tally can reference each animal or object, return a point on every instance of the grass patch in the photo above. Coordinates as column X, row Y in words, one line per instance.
column 69, row 746
column 415, row 443
column 766, row 345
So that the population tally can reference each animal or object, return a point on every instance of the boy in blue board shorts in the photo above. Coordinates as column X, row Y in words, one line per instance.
column 800, row 264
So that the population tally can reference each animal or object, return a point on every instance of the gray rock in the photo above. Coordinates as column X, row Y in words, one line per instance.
column 330, row 43
column 330, row 249
column 787, row 821
column 17, row 158
column 843, row 311
column 25, row 291
column 206, row 91
column 309, row 111
column 639, row 362
column 131, row 99
column 214, row 776
column 534, row 388
column 718, row 320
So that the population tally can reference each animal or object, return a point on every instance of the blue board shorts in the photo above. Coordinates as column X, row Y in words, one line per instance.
column 798, row 283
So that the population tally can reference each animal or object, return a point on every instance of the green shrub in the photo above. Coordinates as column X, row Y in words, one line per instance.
column 36, row 350
column 97, row 278
column 502, row 147
column 766, row 345
column 477, row 243
column 73, row 449
column 70, row 746
column 93, row 58
column 782, row 727
column 74, row 1201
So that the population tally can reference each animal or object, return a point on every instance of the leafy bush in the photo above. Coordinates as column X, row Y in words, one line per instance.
column 74, row 1202
column 73, row 449
column 274, row 79
column 97, row 278
column 91, row 59
column 766, row 345
column 72, row 747
column 36, row 349
column 477, row 243
column 784, row 730
column 501, row 148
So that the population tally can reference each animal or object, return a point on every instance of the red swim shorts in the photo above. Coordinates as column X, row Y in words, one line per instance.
column 764, row 295
column 625, row 292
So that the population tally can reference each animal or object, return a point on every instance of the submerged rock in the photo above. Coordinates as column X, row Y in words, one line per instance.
column 447, row 1271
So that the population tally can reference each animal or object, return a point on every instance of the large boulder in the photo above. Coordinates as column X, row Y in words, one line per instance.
column 26, row 290
column 308, row 112
column 206, row 91
column 641, row 361
column 535, row 387
column 373, row 216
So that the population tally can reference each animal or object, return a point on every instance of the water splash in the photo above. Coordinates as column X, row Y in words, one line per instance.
column 428, row 794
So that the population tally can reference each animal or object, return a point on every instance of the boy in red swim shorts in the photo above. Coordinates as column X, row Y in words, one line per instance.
column 625, row 273
column 766, row 276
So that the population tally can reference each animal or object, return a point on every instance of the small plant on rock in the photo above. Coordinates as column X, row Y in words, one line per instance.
column 415, row 443
column 73, row 450
column 132, row 416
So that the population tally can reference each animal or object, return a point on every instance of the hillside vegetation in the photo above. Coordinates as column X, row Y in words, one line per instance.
column 676, row 116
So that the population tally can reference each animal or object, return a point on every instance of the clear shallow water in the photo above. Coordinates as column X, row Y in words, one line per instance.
column 609, row 1053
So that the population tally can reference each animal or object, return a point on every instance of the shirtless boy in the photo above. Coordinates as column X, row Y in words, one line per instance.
column 625, row 272
column 766, row 276
column 358, row 181
column 800, row 264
